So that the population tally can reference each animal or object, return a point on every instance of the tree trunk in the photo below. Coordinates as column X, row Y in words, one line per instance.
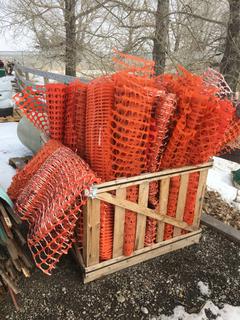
column 160, row 42
column 71, row 47
column 230, row 64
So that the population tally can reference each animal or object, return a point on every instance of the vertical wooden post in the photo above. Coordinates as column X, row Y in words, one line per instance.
column 119, row 218
column 141, row 219
column 163, row 203
column 27, row 75
column 91, row 232
column 200, row 197
column 182, row 195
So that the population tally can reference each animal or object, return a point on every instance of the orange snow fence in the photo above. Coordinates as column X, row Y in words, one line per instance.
column 123, row 125
column 51, row 203
column 21, row 179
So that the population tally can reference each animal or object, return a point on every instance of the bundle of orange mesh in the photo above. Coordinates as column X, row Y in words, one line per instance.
column 51, row 202
column 124, row 124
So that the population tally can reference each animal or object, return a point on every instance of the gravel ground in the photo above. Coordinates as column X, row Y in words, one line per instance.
column 141, row 292
column 216, row 207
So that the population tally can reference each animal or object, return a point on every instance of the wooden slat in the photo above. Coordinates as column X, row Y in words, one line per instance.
column 136, row 180
column 5, row 216
column 141, row 219
column 141, row 255
column 91, row 232
column 143, row 210
column 182, row 195
column 119, row 218
column 199, row 197
column 163, row 203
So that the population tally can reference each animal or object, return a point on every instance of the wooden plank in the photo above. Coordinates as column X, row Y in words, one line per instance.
column 91, row 232
column 182, row 196
column 126, row 262
column 228, row 231
column 200, row 197
column 143, row 210
column 141, row 219
column 5, row 216
column 126, row 182
column 163, row 203
column 119, row 218
column 143, row 250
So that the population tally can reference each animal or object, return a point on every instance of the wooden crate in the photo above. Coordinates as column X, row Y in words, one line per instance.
column 89, row 258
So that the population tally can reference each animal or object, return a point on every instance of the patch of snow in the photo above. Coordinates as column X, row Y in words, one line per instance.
column 204, row 288
column 228, row 312
column 5, row 92
column 220, row 180
column 10, row 146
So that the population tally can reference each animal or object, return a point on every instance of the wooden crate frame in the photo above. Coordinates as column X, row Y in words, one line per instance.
column 89, row 258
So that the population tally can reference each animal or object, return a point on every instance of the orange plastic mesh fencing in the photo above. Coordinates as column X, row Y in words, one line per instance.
column 202, row 120
column 32, row 102
column 191, row 198
column 75, row 117
column 231, row 136
column 106, row 230
column 51, row 203
column 193, row 104
column 56, row 100
column 162, row 113
column 133, row 64
column 130, row 223
column 216, row 79
column 211, row 131
column 69, row 131
column 130, row 125
column 80, row 117
column 100, row 100
column 172, row 205
column 21, row 179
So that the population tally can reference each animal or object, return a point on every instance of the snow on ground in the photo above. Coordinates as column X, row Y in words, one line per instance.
column 10, row 146
column 204, row 288
column 220, row 180
column 5, row 92
column 209, row 311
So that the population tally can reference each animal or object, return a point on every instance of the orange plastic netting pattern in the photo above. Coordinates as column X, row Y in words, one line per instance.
column 51, row 203
column 21, row 179
column 80, row 118
column 162, row 112
column 203, row 118
column 32, row 102
column 133, row 122
column 133, row 64
column 130, row 125
column 75, row 114
column 56, row 100
column 100, row 100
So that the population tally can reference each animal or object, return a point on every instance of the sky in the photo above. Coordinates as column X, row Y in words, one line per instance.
column 8, row 43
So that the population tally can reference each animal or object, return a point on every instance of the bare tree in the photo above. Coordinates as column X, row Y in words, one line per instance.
column 59, row 27
column 230, row 64
column 160, row 40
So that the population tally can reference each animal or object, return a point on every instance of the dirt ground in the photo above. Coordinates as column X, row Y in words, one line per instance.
column 141, row 292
